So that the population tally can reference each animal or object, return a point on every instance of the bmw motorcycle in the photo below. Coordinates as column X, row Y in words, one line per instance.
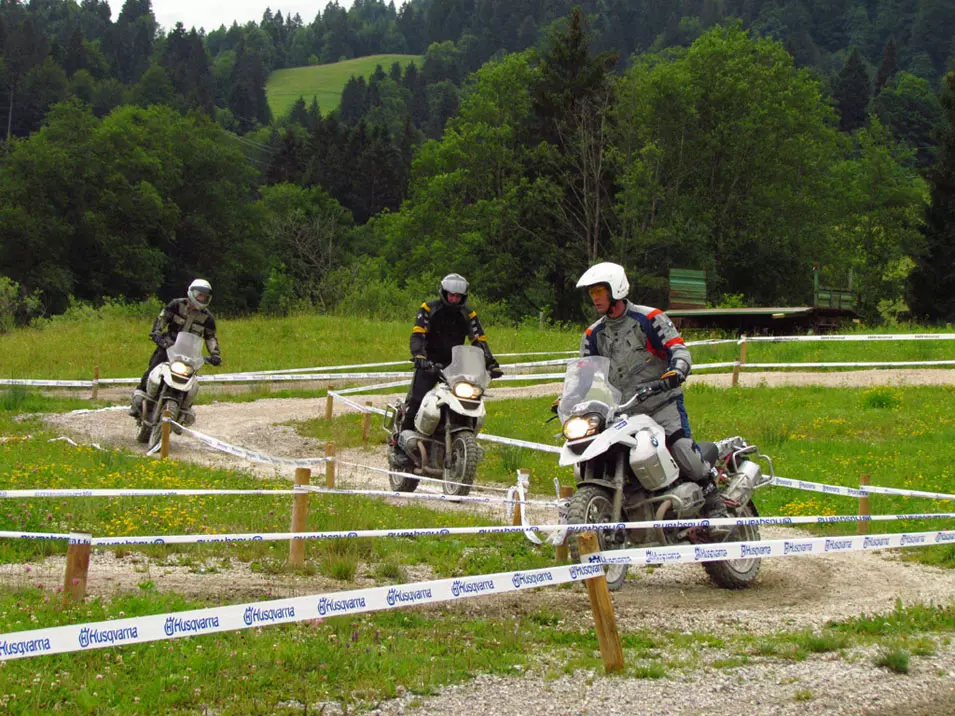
column 171, row 386
column 625, row 473
column 444, row 442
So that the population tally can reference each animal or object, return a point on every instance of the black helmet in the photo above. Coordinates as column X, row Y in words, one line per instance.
column 454, row 283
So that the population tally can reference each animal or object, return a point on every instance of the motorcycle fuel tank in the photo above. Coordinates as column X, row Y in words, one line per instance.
column 650, row 460
column 429, row 414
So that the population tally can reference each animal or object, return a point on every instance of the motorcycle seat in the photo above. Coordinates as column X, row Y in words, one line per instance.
column 709, row 452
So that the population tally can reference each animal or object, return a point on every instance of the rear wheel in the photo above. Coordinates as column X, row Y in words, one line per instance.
column 465, row 455
column 399, row 462
column 594, row 505
column 737, row 573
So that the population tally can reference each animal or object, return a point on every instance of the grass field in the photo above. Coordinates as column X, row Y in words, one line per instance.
column 324, row 82
column 118, row 344
column 900, row 436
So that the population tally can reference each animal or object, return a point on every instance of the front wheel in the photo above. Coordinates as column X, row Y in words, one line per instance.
column 594, row 505
column 161, row 406
column 737, row 573
column 465, row 455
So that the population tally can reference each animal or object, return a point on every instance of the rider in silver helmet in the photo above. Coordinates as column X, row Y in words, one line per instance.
column 181, row 314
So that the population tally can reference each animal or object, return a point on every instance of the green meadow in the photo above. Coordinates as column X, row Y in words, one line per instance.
column 900, row 436
column 324, row 82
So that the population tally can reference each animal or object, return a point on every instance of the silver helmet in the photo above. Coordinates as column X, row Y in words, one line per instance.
column 199, row 293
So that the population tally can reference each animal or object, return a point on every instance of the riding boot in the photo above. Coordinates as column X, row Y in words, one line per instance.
column 713, row 505
column 137, row 405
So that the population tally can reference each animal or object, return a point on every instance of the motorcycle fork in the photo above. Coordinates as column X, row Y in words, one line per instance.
column 618, row 488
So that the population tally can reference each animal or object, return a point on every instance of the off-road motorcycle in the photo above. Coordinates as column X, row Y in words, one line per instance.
column 172, row 385
column 444, row 441
column 625, row 473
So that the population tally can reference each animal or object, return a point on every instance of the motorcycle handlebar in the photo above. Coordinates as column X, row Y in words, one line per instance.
column 644, row 391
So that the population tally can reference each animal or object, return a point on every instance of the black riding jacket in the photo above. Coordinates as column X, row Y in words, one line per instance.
column 439, row 327
column 180, row 315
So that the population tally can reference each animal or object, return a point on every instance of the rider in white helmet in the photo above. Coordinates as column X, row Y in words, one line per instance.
column 643, row 345
column 441, row 324
column 181, row 314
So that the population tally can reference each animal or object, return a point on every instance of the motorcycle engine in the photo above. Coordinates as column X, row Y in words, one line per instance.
column 687, row 499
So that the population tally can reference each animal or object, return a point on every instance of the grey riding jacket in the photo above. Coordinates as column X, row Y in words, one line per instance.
column 642, row 344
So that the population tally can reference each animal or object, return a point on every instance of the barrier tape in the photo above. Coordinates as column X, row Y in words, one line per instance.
column 515, row 498
column 368, row 388
column 421, row 478
column 159, row 627
column 856, row 492
column 83, row 411
column 869, row 364
column 554, row 533
column 480, row 436
column 49, row 383
column 175, row 625
column 356, row 406
column 829, row 338
column 421, row 495
column 143, row 492
column 245, row 453
column 718, row 552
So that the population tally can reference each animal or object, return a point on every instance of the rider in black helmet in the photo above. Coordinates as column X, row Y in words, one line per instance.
column 443, row 323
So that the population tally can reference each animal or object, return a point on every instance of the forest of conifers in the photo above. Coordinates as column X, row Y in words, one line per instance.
column 753, row 139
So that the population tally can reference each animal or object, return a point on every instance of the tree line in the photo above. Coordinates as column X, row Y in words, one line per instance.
column 526, row 146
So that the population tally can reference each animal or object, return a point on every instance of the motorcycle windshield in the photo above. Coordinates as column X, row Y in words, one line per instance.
column 467, row 365
column 587, row 389
column 187, row 348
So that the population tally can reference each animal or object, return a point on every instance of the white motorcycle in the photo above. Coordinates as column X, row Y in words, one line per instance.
column 625, row 473
column 443, row 443
column 172, row 385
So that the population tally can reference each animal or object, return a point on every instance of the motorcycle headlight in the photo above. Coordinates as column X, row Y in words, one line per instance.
column 582, row 426
column 467, row 391
column 181, row 369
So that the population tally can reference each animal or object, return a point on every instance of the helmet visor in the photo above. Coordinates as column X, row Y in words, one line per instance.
column 455, row 284
column 200, row 296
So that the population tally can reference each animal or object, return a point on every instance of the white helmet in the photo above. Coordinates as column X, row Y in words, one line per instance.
column 610, row 274
column 454, row 283
column 199, row 293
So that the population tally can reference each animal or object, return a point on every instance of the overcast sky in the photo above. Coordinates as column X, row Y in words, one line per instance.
column 212, row 13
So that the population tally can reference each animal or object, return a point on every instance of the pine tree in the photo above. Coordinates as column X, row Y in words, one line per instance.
column 932, row 283
column 852, row 91
column 888, row 67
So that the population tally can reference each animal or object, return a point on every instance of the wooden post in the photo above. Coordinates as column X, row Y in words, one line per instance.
column 863, row 527
column 329, row 400
column 164, row 444
column 741, row 362
column 562, row 554
column 366, row 422
column 330, row 465
column 77, row 567
column 296, row 547
column 523, row 477
column 605, row 623
column 95, row 393
column 541, row 319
